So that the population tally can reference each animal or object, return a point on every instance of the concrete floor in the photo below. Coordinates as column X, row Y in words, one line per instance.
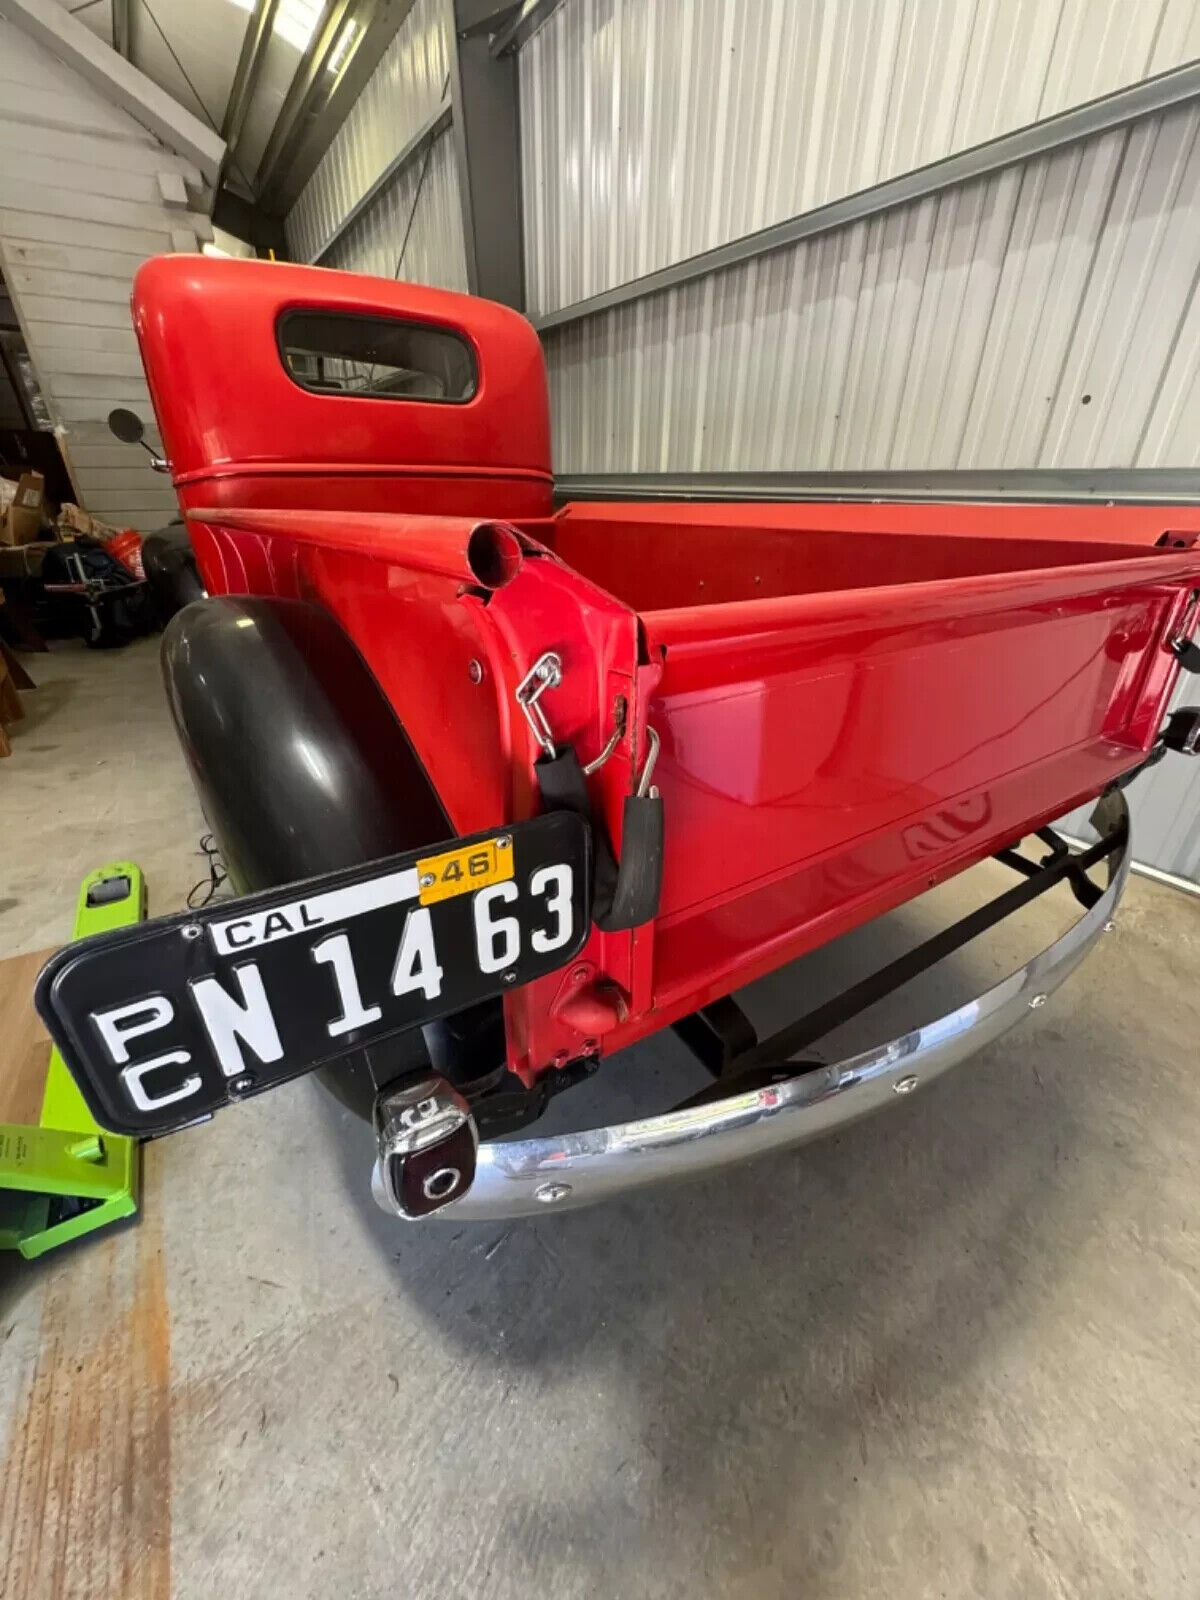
column 952, row 1352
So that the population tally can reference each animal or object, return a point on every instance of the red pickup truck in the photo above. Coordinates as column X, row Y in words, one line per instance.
column 506, row 786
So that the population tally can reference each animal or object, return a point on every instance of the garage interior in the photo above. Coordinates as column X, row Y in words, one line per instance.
column 849, row 252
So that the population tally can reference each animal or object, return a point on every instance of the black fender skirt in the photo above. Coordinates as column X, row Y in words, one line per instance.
column 302, row 767
column 299, row 760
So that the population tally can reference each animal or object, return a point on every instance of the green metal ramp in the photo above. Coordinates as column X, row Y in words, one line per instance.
column 68, row 1176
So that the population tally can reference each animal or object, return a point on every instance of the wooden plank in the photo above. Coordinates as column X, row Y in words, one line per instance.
column 73, row 410
column 138, row 152
column 51, row 335
column 102, row 499
column 112, row 391
column 120, row 460
column 85, row 1480
column 67, row 285
column 80, row 257
column 129, row 481
column 16, row 668
column 55, row 363
column 130, row 513
column 24, row 1042
column 172, row 192
column 93, row 437
column 84, row 176
column 31, row 105
column 74, row 313
column 18, row 194
column 65, row 230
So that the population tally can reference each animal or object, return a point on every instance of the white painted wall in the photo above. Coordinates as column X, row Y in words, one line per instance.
column 86, row 195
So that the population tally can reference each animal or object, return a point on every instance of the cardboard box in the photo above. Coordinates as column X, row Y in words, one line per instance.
column 21, row 519
column 72, row 519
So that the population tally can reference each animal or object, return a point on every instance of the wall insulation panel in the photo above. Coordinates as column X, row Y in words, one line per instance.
column 402, row 93
column 653, row 130
column 1043, row 316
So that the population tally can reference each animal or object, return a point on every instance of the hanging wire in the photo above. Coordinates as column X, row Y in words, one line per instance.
column 208, row 117
column 208, row 889
column 412, row 212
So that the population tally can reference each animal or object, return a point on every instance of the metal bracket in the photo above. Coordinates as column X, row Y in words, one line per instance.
column 1185, row 650
column 545, row 673
column 614, row 738
column 1182, row 732
column 645, row 788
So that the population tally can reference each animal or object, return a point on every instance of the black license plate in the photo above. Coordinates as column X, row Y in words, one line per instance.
column 167, row 1021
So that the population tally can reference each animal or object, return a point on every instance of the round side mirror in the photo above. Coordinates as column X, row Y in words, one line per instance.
column 127, row 426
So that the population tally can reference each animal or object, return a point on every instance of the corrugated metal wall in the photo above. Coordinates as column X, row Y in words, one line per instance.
column 81, row 208
column 1041, row 316
column 403, row 93
column 654, row 130
column 429, row 237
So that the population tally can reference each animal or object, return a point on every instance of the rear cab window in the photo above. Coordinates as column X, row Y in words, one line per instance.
column 376, row 358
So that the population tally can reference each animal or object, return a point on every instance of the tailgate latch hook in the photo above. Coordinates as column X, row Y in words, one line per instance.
column 545, row 673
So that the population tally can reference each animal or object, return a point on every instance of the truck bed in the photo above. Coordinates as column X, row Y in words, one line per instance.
column 852, row 710
column 672, row 557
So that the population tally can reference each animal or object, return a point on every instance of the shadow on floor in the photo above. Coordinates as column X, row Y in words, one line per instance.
column 888, row 1225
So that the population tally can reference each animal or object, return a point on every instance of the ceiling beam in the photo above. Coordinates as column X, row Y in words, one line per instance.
column 244, row 220
column 245, row 80
column 122, row 28
column 522, row 24
column 310, row 88
column 122, row 84
column 487, row 149
column 326, row 101
column 483, row 16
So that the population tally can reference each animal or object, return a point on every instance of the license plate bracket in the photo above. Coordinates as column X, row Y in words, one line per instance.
column 164, row 1023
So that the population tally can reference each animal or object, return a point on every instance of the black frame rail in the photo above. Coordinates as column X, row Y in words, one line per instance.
column 725, row 1040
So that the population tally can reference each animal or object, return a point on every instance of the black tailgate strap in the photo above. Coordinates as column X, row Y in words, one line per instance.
column 623, row 896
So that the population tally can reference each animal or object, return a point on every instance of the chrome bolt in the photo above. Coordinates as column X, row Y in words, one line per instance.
column 905, row 1085
column 427, row 880
column 243, row 1084
column 510, row 977
column 475, row 671
column 417, row 1116
column 191, row 931
column 504, row 842
column 1110, row 927
column 440, row 1183
column 548, row 1193
column 1038, row 1000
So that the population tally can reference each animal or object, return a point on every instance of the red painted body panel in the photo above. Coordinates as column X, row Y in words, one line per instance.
column 854, row 701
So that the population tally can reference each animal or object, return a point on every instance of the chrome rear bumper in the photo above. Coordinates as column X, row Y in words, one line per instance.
column 529, row 1176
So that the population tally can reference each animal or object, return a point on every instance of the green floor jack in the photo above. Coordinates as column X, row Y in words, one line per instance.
column 69, row 1176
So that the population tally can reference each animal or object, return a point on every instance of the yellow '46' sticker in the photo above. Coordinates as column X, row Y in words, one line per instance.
column 461, row 871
